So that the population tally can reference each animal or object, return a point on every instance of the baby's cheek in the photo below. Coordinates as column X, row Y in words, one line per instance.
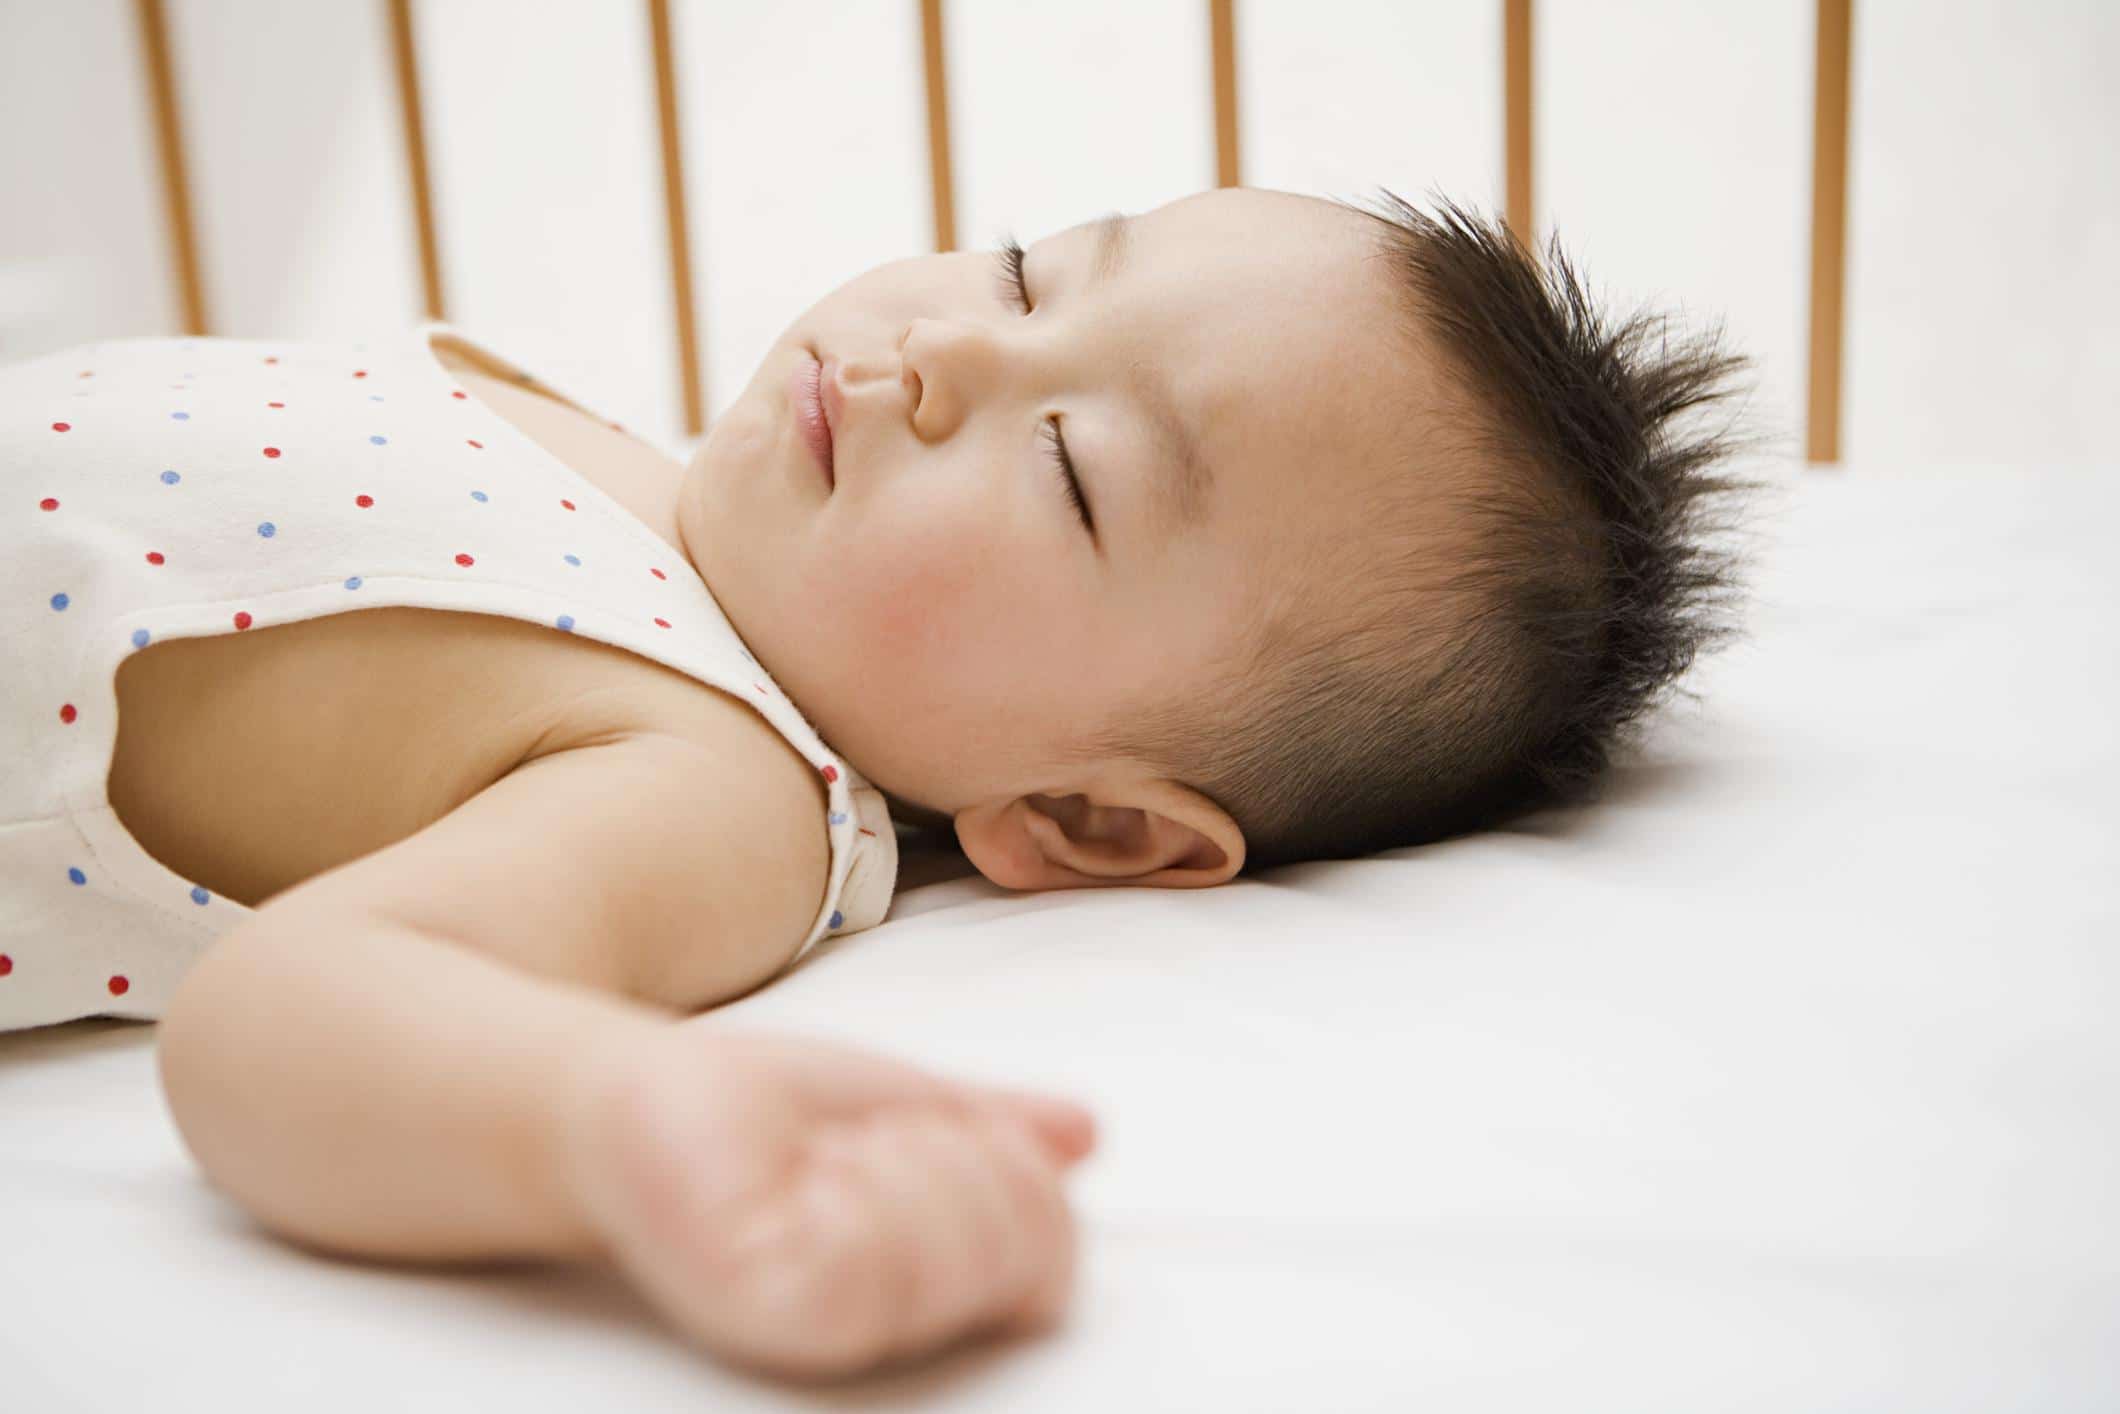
column 906, row 596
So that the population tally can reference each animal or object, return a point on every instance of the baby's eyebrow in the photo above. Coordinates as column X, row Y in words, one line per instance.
column 1114, row 243
column 1182, row 482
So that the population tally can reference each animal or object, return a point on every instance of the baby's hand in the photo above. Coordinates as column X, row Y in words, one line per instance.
column 812, row 1210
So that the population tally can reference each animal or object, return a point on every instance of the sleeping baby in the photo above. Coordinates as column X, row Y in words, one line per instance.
column 422, row 750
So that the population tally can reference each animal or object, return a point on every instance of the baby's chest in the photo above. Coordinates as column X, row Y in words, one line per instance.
column 251, row 762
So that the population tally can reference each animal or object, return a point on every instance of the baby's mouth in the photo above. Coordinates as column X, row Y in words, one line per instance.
column 806, row 403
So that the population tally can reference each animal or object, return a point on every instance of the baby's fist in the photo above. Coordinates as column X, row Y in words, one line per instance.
column 814, row 1210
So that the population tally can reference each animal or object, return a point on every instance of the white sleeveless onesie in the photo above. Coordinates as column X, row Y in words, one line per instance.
column 169, row 487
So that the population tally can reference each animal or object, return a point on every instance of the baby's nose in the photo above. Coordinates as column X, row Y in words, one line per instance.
column 873, row 378
column 909, row 377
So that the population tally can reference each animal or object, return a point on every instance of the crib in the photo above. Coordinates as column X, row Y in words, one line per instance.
column 1780, row 1078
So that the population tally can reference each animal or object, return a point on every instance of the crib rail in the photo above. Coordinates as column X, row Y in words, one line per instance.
column 1829, row 167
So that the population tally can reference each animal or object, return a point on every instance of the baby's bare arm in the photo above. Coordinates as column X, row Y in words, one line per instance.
column 369, row 1090
column 376, row 1061
column 797, row 1207
column 473, row 1045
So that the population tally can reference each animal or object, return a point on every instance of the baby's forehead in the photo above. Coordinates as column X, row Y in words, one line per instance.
column 1299, row 350
column 1242, row 236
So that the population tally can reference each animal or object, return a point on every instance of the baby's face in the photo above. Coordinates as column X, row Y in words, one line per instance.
column 941, row 614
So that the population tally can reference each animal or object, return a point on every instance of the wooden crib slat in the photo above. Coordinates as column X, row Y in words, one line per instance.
column 1222, row 58
column 673, row 171
column 1829, row 207
column 1516, row 120
column 169, row 142
column 940, row 175
column 406, row 57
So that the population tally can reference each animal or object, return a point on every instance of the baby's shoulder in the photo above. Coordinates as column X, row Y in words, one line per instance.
column 690, row 831
column 646, row 865
column 611, row 694
column 658, row 837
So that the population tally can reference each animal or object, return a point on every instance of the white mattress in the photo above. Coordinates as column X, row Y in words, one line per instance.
column 1786, row 1079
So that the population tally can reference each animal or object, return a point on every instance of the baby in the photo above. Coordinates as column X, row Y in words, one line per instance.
column 423, row 749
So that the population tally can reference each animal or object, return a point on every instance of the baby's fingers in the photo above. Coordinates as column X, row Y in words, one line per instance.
column 1063, row 1127
column 1043, row 1219
column 916, row 1230
column 963, row 1246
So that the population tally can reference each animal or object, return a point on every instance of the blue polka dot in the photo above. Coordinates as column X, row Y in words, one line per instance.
column 354, row 583
column 379, row 441
column 837, row 919
column 375, row 397
column 199, row 895
column 572, row 559
column 837, row 817
column 566, row 621
column 140, row 637
column 267, row 529
column 60, row 601
column 478, row 495
column 77, row 876
column 181, row 416
column 170, row 478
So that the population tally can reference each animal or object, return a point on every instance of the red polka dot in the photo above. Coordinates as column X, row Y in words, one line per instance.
column 7, row 964
column 568, row 504
column 831, row 773
column 657, row 573
column 459, row 395
column 62, row 427
column 616, row 428
column 154, row 557
column 476, row 443
column 272, row 451
column 463, row 559
column 51, row 503
column 90, row 374
column 360, row 373
column 119, row 986
column 242, row 618
column 272, row 360
column 364, row 502
column 662, row 623
column 67, row 714
column 276, row 405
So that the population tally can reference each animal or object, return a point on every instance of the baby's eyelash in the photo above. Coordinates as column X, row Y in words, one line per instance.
column 1010, row 256
column 1070, row 483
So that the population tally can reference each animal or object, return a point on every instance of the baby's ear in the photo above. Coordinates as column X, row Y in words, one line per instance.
column 1160, row 835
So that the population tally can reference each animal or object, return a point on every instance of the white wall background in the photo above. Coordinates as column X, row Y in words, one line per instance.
column 1673, row 149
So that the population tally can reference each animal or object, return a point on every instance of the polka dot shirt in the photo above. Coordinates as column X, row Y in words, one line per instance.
column 172, row 487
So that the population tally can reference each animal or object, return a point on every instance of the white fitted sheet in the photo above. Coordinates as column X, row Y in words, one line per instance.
column 1786, row 1078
